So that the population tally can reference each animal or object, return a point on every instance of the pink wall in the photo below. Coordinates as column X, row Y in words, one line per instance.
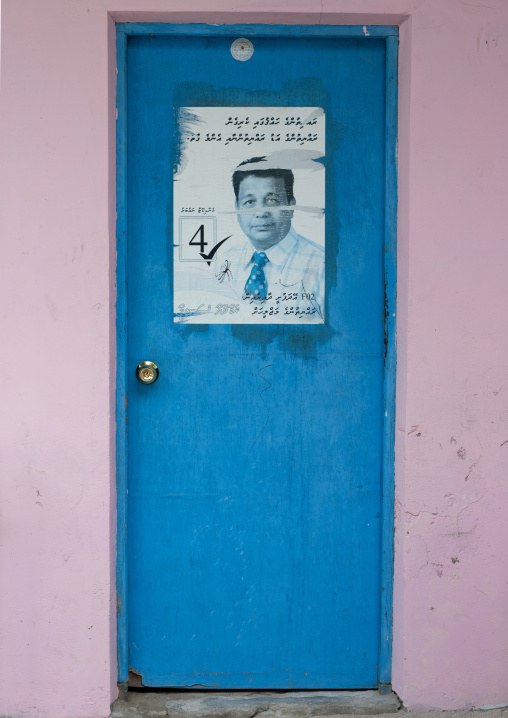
column 451, row 592
column 57, row 633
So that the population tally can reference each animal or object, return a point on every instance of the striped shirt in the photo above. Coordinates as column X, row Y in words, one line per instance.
column 295, row 265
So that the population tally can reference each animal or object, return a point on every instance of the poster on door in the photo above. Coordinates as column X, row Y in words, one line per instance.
column 249, row 215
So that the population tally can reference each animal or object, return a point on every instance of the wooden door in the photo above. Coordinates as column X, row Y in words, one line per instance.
column 258, row 475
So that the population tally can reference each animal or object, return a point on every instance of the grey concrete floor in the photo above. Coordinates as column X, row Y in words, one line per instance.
column 324, row 704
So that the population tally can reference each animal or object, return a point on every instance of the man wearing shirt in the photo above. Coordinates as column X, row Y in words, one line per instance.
column 274, row 262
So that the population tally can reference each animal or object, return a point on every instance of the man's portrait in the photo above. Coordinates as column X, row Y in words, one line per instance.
column 273, row 258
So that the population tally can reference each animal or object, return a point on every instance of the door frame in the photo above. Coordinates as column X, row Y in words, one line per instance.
column 391, row 36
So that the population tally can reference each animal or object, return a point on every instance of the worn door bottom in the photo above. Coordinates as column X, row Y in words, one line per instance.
column 243, row 704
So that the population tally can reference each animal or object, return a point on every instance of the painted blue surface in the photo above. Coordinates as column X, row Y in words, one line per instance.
column 121, row 360
column 298, row 31
column 254, row 545
column 390, row 267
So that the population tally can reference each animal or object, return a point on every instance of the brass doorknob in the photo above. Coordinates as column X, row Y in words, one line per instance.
column 147, row 372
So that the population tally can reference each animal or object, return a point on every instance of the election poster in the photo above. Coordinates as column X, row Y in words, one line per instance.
column 249, row 215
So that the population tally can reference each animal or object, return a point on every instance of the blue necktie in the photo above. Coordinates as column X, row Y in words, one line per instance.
column 256, row 285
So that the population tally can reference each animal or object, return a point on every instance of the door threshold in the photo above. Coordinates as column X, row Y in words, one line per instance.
column 247, row 704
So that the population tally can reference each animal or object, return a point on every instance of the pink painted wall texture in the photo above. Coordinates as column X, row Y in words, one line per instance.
column 57, row 550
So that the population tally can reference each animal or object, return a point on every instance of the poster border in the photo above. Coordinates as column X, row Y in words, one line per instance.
column 209, row 160
column 366, row 32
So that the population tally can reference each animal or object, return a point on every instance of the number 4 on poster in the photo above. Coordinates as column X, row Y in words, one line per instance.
column 197, row 237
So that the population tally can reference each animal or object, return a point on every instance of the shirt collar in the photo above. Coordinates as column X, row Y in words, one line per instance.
column 277, row 254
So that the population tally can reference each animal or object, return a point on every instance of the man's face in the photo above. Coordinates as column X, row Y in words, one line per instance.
column 267, row 225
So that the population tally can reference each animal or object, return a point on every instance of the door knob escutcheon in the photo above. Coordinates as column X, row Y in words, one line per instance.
column 147, row 372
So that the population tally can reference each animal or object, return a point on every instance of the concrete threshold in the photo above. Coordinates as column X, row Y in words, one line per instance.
column 266, row 704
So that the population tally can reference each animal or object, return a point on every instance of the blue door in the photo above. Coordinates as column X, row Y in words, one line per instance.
column 256, row 488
